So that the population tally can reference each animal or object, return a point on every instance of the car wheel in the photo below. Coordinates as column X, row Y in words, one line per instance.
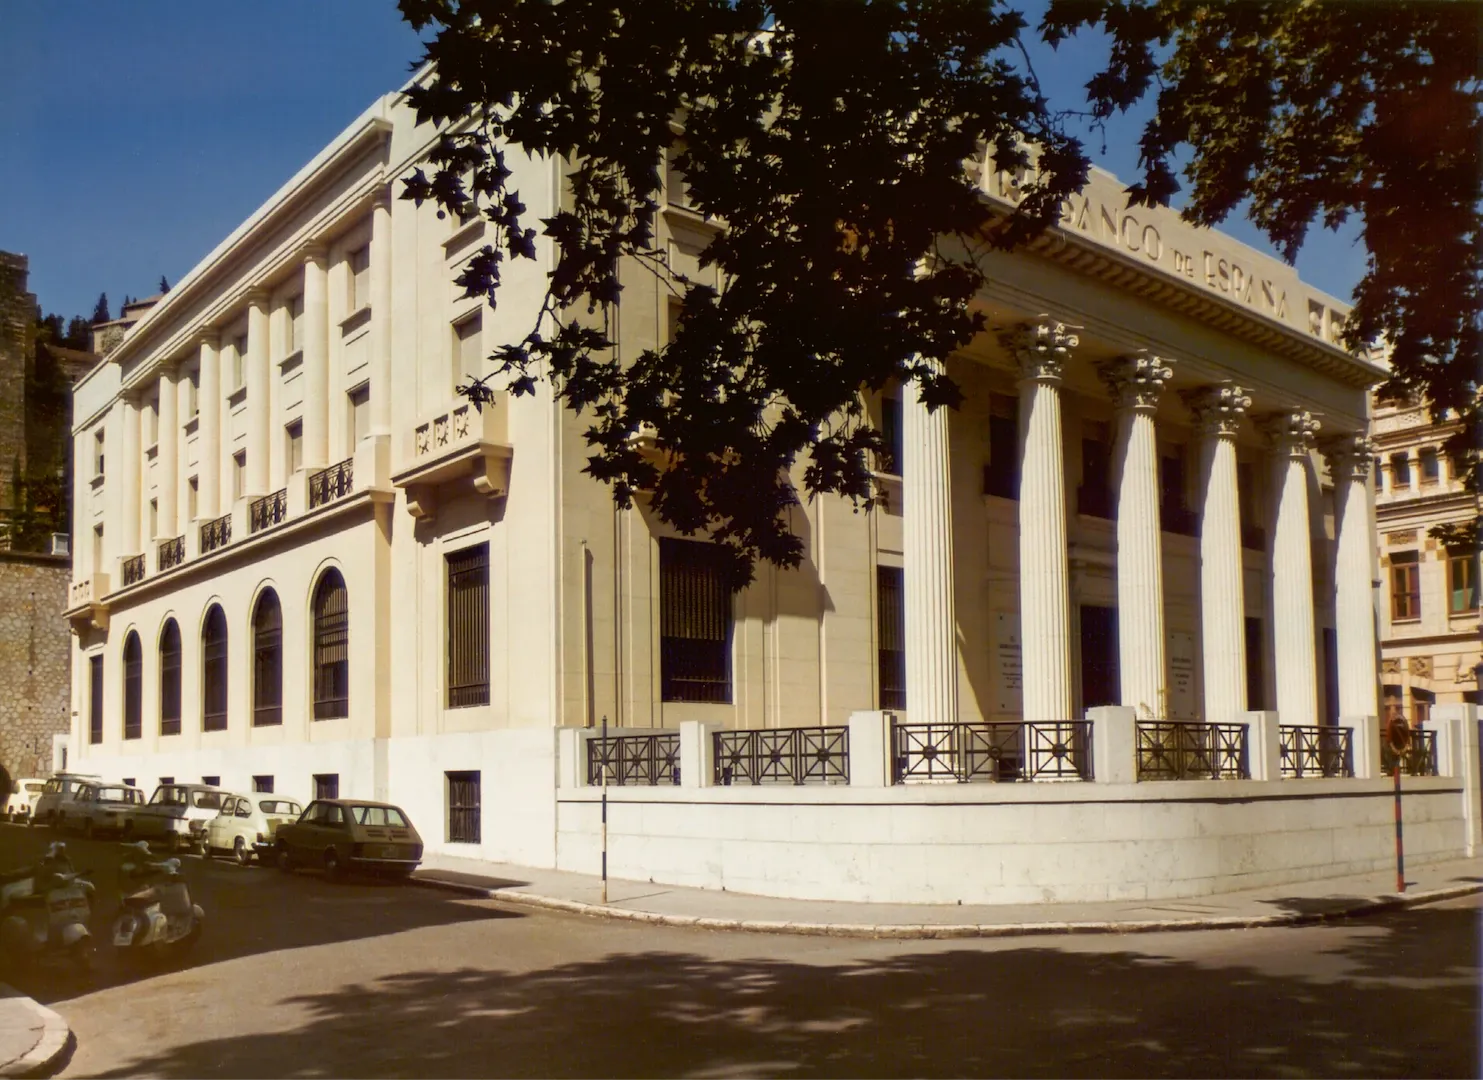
column 332, row 868
column 283, row 858
column 242, row 851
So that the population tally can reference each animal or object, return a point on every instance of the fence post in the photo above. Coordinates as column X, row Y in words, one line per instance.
column 697, row 754
column 1365, row 741
column 1462, row 718
column 870, row 749
column 1264, row 745
column 1114, row 744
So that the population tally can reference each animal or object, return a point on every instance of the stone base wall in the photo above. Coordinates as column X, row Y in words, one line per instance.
column 35, row 660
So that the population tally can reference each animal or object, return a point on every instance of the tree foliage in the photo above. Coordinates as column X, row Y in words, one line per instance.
column 100, row 309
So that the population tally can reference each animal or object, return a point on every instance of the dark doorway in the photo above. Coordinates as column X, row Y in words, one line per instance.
column 1330, row 676
column 1099, row 674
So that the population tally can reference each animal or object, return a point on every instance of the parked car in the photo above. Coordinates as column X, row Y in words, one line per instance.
column 247, row 825
column 337, row 835
column 103, row 808
column 176, row 814
column 21, row 801
column 57, row 794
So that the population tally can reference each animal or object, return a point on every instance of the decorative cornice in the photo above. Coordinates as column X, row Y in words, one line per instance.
column 1350, row 455
column 1291, row 431
column 1217, row 409
column 1041, row 348
column 1136, row 381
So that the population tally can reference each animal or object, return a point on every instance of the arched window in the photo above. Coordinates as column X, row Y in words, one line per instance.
column 214, row 670
column 331, row 648
column 267, row 661
column 170, row 679
column 133, row 686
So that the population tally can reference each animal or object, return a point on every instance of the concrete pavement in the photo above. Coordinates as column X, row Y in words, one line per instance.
column 1279, row 905
column 33, row 1039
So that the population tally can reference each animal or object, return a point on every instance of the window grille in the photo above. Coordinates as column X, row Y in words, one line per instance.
column 170, row 679
column 468, row 627
column 133, row 687
column 267, row 661
column 214, row 671
column 463, row 807
column 331, row 648
column 695, row 623
column 326, row 785
column 95, row 705
column 891, row 654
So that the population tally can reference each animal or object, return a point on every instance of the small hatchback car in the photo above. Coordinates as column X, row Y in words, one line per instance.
column 336, row 835
column 102, row 808
column 247, row 825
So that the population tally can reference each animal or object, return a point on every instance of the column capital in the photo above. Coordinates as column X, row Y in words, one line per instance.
column 258, row 298
column 314, row 252
column 1041, row 347
column 1217, row 409
column 1136, row 380
column 381, row 196
column 209, row 337
column 1349, row 454
column 1291, row 431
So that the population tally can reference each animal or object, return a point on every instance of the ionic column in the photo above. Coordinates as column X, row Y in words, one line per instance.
column 169, row 456
column 258, row 417
column 1042, row 350
column 130, row 542
column 1218, row 411
column 931, row 622
column 1136, row 382
column 209, row 434
column 1350, row 458
column 316, row 358
column 381, row 272
column 1291, row 560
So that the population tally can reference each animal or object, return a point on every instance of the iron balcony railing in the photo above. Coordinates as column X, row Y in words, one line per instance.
column 1419, row 759
column 330, row 484
column 1176, row 750
column 1316, row 751
column 635, row 760
column 216, row 533
column 807, row 755
column 133, row 569
column 267, row 511
column 172, row 552
column 967, row 752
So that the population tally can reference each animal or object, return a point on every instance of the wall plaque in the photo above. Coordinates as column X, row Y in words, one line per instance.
column 1182, row 700
column 1006, row 659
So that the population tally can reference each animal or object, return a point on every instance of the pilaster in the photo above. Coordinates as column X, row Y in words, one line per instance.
column 258, row 408
column 316, row 357
column 168, row 459
column 381, row 292
column 208, row 402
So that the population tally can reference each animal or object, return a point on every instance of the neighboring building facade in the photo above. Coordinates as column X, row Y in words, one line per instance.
column 35, row 661
column 306, row 564
column 1429, row 630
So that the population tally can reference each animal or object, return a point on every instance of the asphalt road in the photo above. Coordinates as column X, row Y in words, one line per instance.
column 300, row 977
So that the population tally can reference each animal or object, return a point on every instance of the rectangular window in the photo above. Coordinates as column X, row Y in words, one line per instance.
column 97, row 549
column 1256, row 665
column 1174, row 512
column 98, row 454
column 695, row 622
column 1378, row 476
column 891, row 629
column 95, row 698
column 1330, row 675
column 1002, row 475
column 192, row 492
column 295, row 307
column 293, row 446
column 468, row 626
column 468, row 353
column 239, row 474
column 1253, row 534
column 463, row 807
column 192, row 394
column 164, row 780
column 1400, row 471
column 239, row 361
column 154, row 519
column 1421, row 706
column 263, row 785
column 1100, row 677
column 359, row 262
column 1405, row 586
column 211, row 781
column 1392, row 705
column 891, row 435
column 1431, row 467
column 326, row 785
column 128, row 781
column 152, row 422
column 360, row 412
column 1094, row 496
column 676, row 190
column 1462, row 581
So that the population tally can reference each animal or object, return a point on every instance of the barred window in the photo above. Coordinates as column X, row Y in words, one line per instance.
column 468, row 627
column 133, row 687
column 331, row 647
column 170, row 679
column 891, row 628
column 326, row 785
column 267, row 661
column 695, row 622
column 463, row 807
column 214, row 670
column 95, row 696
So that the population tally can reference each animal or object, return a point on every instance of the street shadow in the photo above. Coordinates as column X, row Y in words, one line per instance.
column 1396, row 996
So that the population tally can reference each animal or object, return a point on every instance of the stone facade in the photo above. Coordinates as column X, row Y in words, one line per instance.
column 17, row 337
column 35, row 658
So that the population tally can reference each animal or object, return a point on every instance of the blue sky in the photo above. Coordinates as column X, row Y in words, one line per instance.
column 137, row 136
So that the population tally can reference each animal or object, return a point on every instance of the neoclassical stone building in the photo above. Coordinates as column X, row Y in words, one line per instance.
column 305, row 563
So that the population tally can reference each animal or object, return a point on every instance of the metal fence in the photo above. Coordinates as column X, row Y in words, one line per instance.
column 1055, row 750
column 133, row 569
column 1420, row 758
column 635, row 760
column 1308, row 751
column 809, row 755
column 216, row 533
column 330, row 484
column 1177, row 750
column 269, row 510
column 172, row 552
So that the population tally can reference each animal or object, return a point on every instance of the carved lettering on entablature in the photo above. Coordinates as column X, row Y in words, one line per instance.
column 1291, row 432
column 1136, row 381
column 1217, row 409
column 1041, row 348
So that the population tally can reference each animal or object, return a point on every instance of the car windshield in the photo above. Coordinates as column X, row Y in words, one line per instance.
column 168, row 796
column 32, row 789
column 279, row 807
column 379, row 815
column 206, row 800
column 116, row 794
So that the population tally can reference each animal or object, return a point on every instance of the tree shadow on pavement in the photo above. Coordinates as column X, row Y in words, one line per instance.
column 1396, row 996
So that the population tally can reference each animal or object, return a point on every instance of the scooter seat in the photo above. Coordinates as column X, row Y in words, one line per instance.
column 142, row 899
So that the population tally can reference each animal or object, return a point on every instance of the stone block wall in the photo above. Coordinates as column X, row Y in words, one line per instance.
column 35, row 660
column 17, row 322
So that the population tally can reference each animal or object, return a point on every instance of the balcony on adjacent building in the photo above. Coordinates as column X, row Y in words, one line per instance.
column 458, row 443
column 216, row 533
column 133, row 570
column 268, row 511
column 85, row 603
column 335, row 482
column 171, row 553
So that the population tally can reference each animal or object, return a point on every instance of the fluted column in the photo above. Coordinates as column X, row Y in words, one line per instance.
column 208, row 436
column 130, row 542
column 1291, row 560
column 1350, row 458
column 931, row 622
column 316, row 358
column 381, row 271
column 1136, row 383
column 168, row 460
column 258, row 416
column 1217, row 411
column 1041, row 350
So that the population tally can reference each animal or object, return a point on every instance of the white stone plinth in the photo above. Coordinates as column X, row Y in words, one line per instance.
column 1263, row 744
column 870, row 749
column 1114, row 744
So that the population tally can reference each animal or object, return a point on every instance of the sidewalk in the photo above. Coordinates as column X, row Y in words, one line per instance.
column 33, row 1039
column 1282, row 905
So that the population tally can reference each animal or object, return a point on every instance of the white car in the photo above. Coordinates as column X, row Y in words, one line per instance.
column 176, row 814
column 102, row 808
column 57, row 794
column 22, row 799
column 247, row 824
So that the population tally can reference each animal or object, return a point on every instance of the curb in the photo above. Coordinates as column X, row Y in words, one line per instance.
column 55, row 1044
column 924, row 931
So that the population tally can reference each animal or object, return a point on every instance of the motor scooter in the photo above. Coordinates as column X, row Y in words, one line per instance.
column 44, row 910
column 157, row 916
